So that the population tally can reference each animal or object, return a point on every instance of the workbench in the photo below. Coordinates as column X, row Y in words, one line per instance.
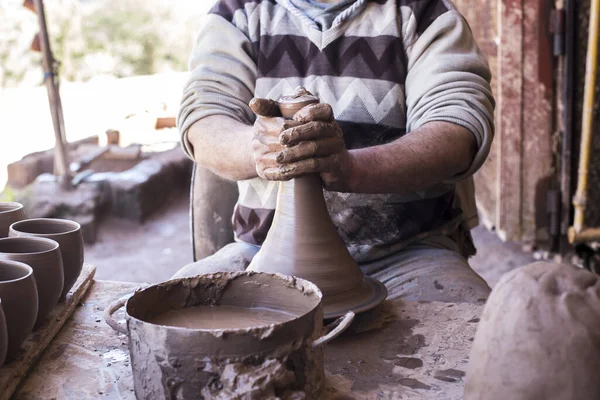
column 401, row 350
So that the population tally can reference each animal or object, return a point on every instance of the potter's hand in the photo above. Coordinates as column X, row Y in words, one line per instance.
column 310, row 143
column 266, row 144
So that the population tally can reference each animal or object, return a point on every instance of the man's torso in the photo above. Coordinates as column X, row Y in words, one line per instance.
column 358, row 66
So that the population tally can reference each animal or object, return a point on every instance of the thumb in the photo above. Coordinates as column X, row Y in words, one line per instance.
column 265, row 107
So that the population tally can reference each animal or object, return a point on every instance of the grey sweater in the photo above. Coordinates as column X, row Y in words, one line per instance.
column 386, row 66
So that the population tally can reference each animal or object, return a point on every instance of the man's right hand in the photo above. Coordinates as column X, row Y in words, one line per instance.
column 310, row 143
column 266, row 143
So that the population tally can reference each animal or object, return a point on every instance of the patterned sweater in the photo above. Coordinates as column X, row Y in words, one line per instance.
column 386, row 67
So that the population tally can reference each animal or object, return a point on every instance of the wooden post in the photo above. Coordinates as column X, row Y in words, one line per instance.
column 61, row 162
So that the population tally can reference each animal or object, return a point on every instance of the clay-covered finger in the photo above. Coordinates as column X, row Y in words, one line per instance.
column 262, row 144
column 299, row 168
column 310, row 131
column 265, row 107
column 315, row 112
column 290, row 171
column 265, row 162
column 273, row 174
column 271, row 126
column 304, row 150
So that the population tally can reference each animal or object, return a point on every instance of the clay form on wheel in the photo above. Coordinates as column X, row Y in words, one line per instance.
column 44, row 258
column 3, row 336
column 9, row 213
column 68, row 236
column 303, row 241
column 19, row 295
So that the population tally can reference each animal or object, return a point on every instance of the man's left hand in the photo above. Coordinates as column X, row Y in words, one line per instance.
column 316, row 146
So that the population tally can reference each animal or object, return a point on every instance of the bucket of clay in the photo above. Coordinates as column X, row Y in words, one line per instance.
column 244, row 335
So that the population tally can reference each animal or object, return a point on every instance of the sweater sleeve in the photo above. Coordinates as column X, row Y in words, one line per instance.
column 448, row 80
column 222, row 77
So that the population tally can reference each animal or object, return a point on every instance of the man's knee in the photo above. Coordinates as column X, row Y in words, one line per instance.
column 231, row 258
column 431, row 274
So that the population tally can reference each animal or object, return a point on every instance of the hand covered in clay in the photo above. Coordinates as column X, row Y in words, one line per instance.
column 312, row 142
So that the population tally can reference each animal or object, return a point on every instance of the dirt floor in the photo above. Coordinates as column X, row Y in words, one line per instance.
column 152, row 252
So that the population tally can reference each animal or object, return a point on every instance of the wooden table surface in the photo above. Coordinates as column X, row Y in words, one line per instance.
column 402, row 350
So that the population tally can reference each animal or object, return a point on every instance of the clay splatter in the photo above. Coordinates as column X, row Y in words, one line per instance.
column 373, row 363
column 449, row 375
column 409, row 362
column 413, row 384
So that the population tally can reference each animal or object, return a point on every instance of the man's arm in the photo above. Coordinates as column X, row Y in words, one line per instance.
column 449, row 118
column 215, row 119
column 449, row 111
column 435, row 152
column 227, row 144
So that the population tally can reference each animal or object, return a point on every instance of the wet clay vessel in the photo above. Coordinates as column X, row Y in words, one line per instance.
column 43, row 256
column 303, row 241
column 19, row 295
column 3, row 336
column 9, row 213
column 68, row 236
column 279, row 360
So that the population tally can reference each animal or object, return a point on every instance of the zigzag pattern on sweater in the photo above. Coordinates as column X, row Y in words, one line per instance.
column 370, row 101
column 370, row 58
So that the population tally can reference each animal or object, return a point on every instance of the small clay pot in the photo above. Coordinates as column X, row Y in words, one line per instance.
column 9, row 213
column 44, row 258
column 19, row 295
column 3, row 336
column 68, row 236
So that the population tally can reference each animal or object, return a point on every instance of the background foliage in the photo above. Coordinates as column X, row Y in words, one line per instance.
column 99, row 37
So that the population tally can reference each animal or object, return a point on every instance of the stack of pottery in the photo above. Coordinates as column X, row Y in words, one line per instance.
column 40, row 260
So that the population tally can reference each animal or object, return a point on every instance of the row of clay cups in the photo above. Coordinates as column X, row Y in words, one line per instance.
column 53, row 250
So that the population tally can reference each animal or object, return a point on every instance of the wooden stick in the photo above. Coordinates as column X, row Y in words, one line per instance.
column 61, row 163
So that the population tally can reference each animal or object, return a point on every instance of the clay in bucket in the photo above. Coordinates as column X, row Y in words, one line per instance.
column 272, row 349
column 221, row 317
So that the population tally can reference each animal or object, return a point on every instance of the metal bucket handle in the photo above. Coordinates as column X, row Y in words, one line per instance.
column 110, row 310
column 335, row 329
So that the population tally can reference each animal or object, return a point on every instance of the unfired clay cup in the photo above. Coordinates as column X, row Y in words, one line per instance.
column 3, row 336
column 44, row 257
column 9, row 213
column 19, row 295
column 68, row 236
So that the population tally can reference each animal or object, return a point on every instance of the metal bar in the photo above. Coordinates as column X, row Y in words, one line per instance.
column 580, row 199
column 585, row 235
column 61, row 156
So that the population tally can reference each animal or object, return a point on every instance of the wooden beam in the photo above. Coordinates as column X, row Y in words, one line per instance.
column 538, row 124
column 510, row 129
column 51, row 81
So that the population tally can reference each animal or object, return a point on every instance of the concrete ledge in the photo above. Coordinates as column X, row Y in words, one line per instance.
column 143, row 189
column 133, row 194
column 23, row 172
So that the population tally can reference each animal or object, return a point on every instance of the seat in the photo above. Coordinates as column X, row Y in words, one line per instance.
column 212, row 200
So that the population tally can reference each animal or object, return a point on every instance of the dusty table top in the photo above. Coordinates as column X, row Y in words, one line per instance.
column 402, row 350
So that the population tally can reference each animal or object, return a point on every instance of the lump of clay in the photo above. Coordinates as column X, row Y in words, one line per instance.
column 539, row 337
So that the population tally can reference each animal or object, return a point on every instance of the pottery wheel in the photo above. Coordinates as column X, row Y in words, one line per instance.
column 369, row 295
